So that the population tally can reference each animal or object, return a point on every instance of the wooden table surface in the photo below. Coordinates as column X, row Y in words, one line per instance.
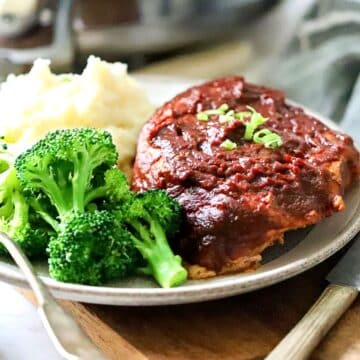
column 241, row 327
column 244, row 327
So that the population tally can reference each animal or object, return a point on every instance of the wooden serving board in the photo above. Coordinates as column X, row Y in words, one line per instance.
column 243, row 327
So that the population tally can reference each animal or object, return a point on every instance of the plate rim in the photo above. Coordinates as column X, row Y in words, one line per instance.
column 197, row 292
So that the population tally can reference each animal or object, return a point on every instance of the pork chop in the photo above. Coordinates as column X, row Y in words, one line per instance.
column 239, row 201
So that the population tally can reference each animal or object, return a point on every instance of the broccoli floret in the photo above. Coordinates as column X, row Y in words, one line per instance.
column 73, row 168
column 152, row 217
column 18, row 220
column 70, row 181
column 92, row 248
column 33, row 241
column 112, row 187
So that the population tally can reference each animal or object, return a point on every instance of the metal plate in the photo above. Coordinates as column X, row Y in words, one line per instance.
column 303, row 249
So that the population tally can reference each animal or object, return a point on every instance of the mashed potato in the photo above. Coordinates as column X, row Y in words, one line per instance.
column 103, row 96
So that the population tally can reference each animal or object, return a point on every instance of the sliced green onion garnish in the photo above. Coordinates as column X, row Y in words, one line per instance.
column 213, row 112
column 229, row 116
column 274, row 142
column 265, row 136
column 255, row 121
column 268, row 138
column 202, row 116
column 242, row 114
column 260, row 135
column 224, row 107
column 228, row 145
column 252, row 110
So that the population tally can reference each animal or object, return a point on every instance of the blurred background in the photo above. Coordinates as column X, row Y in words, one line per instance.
column 284, row 43
column 138, row 32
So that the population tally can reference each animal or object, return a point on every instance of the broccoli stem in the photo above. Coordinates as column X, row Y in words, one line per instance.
column 154, row 247
column 45, row 215
column 9, row 183
column 6, row 207
column 96, row 193
column 21, row 211
column 81, row 180
column 56, row 195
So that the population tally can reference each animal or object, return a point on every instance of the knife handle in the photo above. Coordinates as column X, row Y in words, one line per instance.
column 306, row 335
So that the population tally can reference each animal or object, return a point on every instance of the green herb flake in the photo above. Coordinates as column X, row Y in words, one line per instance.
column 223, row 108
column 202, row 116
column 228, row 145
column 255, row 121
column 221, row 111
column 268, row 138
column 213, row 112
column 242, row 115
column 229, row 116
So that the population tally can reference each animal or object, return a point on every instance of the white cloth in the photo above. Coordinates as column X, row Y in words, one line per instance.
column 22, row 335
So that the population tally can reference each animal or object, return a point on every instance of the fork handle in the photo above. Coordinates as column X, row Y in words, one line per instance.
column 65, row 333
column 307, row 334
